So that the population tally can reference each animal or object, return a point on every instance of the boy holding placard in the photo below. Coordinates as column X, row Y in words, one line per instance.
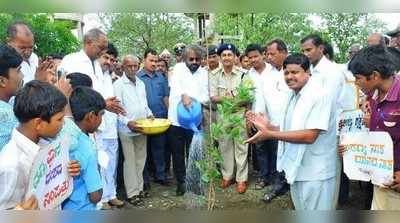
column 374, row 70
column 87, row 107
column 39, row 108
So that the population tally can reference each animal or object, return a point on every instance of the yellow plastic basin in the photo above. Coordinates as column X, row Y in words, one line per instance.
column 153, row 126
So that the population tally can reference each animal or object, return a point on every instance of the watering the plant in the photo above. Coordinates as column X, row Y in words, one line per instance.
column 188, row 89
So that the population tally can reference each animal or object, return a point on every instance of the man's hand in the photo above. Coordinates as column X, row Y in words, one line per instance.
column 74, row 168
column 46, row 71
column 113, row 105
column 30, row 204
column 341, row 150
column 396, row 182
column 367, row 113
column 186, row 101
column 132, row 125
column 64, row 86
column 261, row 123
column 367, row 119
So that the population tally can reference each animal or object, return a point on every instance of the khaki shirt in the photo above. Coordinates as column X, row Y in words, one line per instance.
column 221, row 84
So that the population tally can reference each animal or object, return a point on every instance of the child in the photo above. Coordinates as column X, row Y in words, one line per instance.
column 87, row 108
column 10, row 82
column 39, row 108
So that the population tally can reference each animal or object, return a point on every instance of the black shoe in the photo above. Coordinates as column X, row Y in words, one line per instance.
column 279, row 189
column 165, row 183
column 180, row 190
column 135, row 200
column 144, row 194
column 268, row 197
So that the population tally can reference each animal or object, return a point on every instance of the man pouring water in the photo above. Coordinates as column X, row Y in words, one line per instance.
column 188, row 84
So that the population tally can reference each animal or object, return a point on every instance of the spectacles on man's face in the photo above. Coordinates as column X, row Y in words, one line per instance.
column 194, row 59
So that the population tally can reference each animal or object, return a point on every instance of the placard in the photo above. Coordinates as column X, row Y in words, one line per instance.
column 368, row 156
column 49, row 179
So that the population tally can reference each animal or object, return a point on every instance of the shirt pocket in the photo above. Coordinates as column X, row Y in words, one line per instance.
column 391, row 120
column 159, row 89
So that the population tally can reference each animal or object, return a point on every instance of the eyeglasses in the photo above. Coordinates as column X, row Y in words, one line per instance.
column 194, row 59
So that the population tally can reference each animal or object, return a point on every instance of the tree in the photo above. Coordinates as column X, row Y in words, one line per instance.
column 263, row 27
column 135, row 32
column 345, row 29
column 50, row 36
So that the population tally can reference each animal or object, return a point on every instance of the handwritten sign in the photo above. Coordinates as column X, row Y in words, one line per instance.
column 368, row 156
column 351, row 121
column 49, row 179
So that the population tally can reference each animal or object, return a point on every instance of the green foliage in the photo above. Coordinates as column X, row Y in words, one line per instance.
column 50, row 36
column 341, row 29
column 230, row 124
column 135, row 32
column 345, row 29
column 264, row 27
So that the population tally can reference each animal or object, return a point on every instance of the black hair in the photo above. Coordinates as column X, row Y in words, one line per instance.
column 84, row 100
column 9, row 58
column 299, row 59
column 38, row 99
column 280, row 45
column 12, row 29
column 58, row 56
column 373, row 58
column 165, row 62
column 387, row 40
column 241, row 57
column 149, row 51
column 316, row 39
column 112, row 50
column 237, row 52
column 253, row 47
column 328, row 50
column 79, row 80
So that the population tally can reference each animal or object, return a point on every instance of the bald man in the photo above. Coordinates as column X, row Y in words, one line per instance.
column 376, row 39
column 131, row 91
column 20, row 37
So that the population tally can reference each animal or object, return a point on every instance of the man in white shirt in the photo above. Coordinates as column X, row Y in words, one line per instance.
column 107, row 134
column 21, row 38
column 266, row 157
column 95, row 44
column 274, row 92
column 131, row 91
column 326, row 72
column 307, row 149
column 189, row 82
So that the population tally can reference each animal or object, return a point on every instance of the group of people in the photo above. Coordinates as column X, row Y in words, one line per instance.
column 95, row 98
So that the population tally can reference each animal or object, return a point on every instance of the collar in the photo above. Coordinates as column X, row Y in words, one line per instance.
column 235, row 71
column 323, row 62
column 84, row 56
column 393, row 93
column 126, row 80
column 266, row 68
column 143, row 73
column 24, row 144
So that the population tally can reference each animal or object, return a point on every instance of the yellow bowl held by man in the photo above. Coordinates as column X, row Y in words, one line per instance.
column 153, row 126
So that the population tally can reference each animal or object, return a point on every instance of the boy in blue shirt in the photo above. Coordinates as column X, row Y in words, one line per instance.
column 87, row 108
column 10, row 81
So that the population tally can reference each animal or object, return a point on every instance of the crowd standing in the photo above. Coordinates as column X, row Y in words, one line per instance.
column 95, row 97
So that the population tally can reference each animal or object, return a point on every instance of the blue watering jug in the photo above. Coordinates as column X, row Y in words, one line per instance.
column 190, row 118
